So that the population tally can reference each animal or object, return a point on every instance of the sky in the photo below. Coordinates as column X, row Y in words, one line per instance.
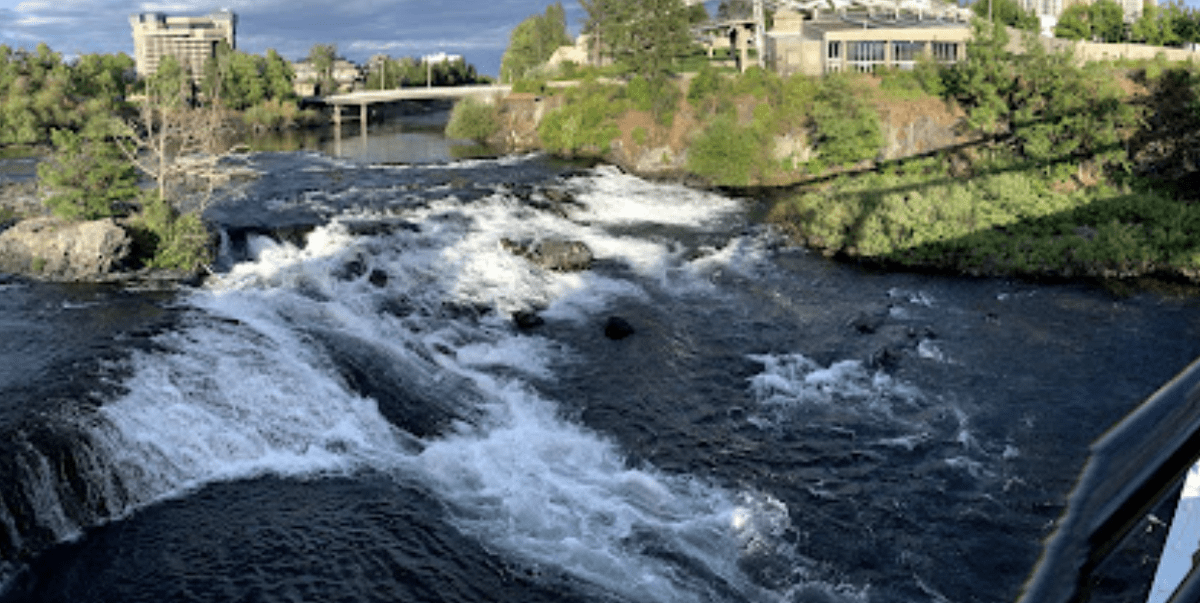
column 476, row 29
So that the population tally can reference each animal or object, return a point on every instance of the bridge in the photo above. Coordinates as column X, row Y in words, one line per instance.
column 485, row 93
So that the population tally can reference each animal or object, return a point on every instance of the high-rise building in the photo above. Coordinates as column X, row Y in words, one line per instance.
column 191, row 40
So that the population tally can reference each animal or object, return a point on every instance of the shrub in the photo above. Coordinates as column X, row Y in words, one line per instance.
column 725, row 153
column 167, row 239
column 472, row 120
column 658, row 96
column 705, row 87
column 529, row 86
column 586, row 123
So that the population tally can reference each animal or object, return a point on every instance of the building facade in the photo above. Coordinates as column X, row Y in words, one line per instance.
column 860, row 41
column 191, row 40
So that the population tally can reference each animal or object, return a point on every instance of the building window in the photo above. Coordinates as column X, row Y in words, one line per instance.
column 945, row 52
column 905, row 54
column 835, row 51
column 865, row 56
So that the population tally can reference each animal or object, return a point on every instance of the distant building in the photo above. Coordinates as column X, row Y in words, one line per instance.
column 346, row 75
column 441, row 57
column 191, row 40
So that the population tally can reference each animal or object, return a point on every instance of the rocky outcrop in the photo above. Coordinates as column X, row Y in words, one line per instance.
column 54, row 249
column 553, row 254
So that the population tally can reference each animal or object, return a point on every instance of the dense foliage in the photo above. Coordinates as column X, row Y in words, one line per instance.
column 165, row 238
column 645, row 36
column 532, row 43
column 39, row 93
column 1007, row 12
column 1049, row 188
column 1171, row 24
column 587, row 121
column 472, row 120
column 830, row 113
column 239, row 81
column 87, row 178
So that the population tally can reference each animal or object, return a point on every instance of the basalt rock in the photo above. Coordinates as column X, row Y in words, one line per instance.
column 55, row 249
column 617, row 328
column 527, row 319
column 553, row 254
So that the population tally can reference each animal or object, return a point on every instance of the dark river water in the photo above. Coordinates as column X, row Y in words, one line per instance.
column 347, row 411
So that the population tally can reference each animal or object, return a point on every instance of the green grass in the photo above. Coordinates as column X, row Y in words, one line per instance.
column 1009, row 221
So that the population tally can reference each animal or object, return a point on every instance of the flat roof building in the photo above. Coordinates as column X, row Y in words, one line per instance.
column 863, row 41
column 191, row 40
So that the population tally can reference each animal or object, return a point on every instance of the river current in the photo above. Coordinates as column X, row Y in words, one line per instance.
column 346, row 409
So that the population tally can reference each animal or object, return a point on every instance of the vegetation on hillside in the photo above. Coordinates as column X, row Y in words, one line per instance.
column 472, row 120
column 533, row 42
column 1066, row 172
column 1051, row 188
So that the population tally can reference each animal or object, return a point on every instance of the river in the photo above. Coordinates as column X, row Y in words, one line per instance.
column 347, row 410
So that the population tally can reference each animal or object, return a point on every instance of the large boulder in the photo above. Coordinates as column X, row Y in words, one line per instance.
column 553, row 254
column 55, row 249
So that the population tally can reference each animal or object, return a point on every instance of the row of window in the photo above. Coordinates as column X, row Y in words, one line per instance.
column 868, row 52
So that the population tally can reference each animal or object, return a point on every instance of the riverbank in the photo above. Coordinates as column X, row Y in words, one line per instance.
column 880, row 171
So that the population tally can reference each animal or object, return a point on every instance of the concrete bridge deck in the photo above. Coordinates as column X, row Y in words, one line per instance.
column 370, row 97
column 485, row 93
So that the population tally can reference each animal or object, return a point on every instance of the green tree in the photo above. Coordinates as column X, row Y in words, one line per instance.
column 533, row 41
column 1007, row 12
column 87, row 178
column 1148, row 28
column 170, row 84
column 323, row 57
column 1108, row 21
column 985, row 81
column 645, row 36
column 1074, row 23
column 1183, row 22
column 279, row 77
column 846, row 130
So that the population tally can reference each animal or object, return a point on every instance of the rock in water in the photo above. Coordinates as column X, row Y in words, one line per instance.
column 553, row 254
column 617, row 328
column 55, row 249
column 527, row 319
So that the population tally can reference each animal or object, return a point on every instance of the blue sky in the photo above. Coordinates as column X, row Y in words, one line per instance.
column 478, row 30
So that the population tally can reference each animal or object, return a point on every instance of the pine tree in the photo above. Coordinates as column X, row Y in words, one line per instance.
column 88, row 177
column 645, row 36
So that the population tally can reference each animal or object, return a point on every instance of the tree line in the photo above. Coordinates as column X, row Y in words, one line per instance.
column 1173, row 24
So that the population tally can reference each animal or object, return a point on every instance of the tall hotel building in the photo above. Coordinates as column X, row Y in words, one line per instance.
column 191, row 40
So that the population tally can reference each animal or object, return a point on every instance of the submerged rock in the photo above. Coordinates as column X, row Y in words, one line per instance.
column 527, row 319
column 617, row 328
column 55, row 249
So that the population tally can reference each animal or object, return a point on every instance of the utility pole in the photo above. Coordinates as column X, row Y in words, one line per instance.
column 760, row 44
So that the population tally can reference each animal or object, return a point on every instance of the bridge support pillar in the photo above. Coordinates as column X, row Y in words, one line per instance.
column 362, row 117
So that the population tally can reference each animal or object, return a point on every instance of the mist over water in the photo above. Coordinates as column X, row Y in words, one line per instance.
column 348, row 410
